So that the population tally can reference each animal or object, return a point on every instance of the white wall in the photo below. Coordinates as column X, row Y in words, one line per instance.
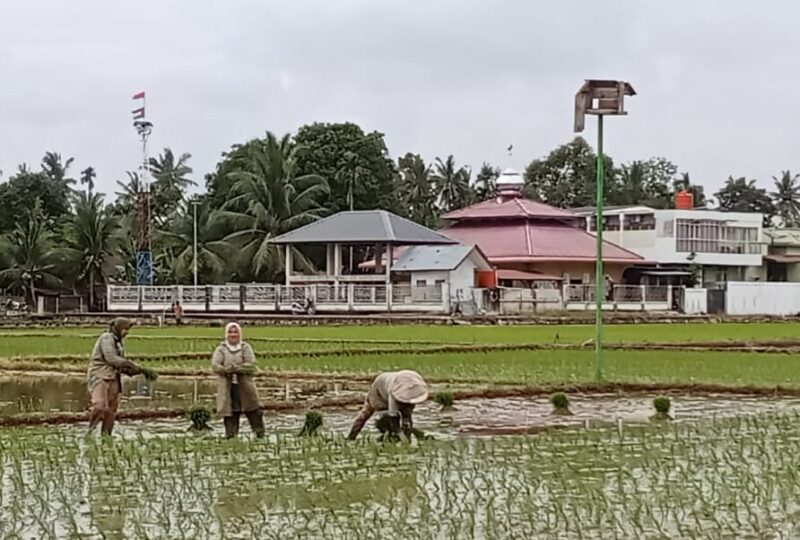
column 762, row 298
column 463, row 277
column 695, row 301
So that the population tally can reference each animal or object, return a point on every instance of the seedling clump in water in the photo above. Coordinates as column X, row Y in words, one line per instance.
column 662, row 406
column 445, row 399
column 312, row 424
column 148, row 373
column 200, row 415
column 560, row 403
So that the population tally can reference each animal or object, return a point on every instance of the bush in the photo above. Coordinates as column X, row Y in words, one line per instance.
column 560, row 403
column 445, row 399
column 312, row 424
column 200, row 415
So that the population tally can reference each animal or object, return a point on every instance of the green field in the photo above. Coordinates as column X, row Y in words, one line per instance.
column 703, row 478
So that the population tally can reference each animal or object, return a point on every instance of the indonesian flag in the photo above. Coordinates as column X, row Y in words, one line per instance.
column 140, row 95
column 138, row 113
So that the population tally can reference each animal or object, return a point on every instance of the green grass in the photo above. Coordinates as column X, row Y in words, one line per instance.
column 200, row 338
column 732, row 478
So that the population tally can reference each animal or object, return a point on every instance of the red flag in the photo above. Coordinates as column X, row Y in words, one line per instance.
column 138, row 113
column 140, row 95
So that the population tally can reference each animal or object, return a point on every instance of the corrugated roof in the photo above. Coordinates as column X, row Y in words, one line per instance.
column 364, row 227
column 510, row 207
column 519, row 275
column 520, row 241
column 418, row 258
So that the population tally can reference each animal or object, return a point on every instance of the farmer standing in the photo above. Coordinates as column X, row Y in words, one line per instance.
column 104, row 378
column 233, row 362
column 397, row 392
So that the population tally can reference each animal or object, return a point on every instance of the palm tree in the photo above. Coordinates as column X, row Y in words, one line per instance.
column 452, row 184
column 126, row 197
column 213, row 251
column 170, row 183
column 267, row 199
column 57, row 171
column 87, row 178
column 29, row 260
column 418, row 190
column 787, row 198
column 91, row 243
column 684, row 183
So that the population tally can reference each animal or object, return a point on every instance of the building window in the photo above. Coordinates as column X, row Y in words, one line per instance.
column 709, row 236
column 439, row 284
column 422, row 283
column 632, row 222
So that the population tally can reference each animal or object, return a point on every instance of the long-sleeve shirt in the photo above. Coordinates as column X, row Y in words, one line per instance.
column 380, row 398
column 108, row 360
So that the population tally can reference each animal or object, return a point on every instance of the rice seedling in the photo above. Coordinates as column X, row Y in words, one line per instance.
column 662, row 405
column 200, row 416
column 148, row 373
column 445, row 399
column 560, row 403
column 313, row 423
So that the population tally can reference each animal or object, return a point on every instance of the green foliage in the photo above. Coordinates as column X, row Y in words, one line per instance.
column 200, row 415
column 742, row 195
column 445, row 399
column 786, row 198
column 312, row 424
column 352, row 163
column 418, row 190
column 452, row 185
column 148, row 373
column 27, row 189
column 486, row 182
column 560, row 403
column 662, row 405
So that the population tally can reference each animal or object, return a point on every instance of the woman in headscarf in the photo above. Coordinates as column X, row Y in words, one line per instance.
column 397, row 392
column 234, row 362
column 104, row 378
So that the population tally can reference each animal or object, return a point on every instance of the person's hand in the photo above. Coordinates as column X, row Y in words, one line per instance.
column 230, row 370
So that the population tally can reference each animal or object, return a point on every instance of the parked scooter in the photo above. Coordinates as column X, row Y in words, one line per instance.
column 306, row 307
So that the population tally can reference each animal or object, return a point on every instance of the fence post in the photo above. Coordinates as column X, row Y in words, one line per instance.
column 241, row 297
column 139, row 294
column 208, row 297
column 277, row 298
column 389, row 293
column 644, row 296
column 350, row 289
column 669, row 297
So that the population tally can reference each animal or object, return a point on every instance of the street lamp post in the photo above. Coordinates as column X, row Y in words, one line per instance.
column 194, row 241
column 600, row 98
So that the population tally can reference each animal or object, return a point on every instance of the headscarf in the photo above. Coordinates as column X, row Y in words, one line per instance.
column 231, row 347
column 408, row 387
column 119, row 324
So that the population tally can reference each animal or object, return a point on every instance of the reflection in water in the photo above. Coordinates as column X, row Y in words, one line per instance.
column 67, row 393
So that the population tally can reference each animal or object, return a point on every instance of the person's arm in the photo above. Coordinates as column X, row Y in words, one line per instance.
column 217, row 362
column 366, row 412
column 248, row 359
column 109, row 351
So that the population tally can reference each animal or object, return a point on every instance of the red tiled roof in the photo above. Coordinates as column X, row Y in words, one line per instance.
column 524, row 241
column 517, row 207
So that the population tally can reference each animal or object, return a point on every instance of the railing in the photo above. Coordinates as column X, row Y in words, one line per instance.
column 619, row 294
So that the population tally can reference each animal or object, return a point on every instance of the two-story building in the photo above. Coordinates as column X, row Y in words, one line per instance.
column 687, row 245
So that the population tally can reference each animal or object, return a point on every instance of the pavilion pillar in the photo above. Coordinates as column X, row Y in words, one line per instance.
column 289, row 262
column 337, row 263
column 379, row 253
column 329, row 259
column 389, row 262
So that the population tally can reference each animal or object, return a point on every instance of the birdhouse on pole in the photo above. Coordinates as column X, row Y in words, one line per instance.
column 600, row 98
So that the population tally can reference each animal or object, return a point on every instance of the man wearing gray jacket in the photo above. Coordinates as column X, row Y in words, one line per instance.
column 397, row 392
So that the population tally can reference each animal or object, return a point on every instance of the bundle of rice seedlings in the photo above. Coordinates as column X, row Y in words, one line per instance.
column 445, row 399
column 247, row 369
column 312, row 424
column 148, row 373
column 200, row 415
column 662, row 405
column 560, row 403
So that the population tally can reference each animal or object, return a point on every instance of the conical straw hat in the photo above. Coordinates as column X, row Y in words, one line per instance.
column 409, row 387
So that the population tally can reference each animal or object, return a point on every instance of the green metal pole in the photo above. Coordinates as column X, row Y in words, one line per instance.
column 599, row 277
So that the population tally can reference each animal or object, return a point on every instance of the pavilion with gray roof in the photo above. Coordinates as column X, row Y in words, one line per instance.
column 379, row 229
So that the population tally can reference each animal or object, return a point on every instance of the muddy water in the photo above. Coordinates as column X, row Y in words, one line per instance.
column 509, row 416
column 20, row 394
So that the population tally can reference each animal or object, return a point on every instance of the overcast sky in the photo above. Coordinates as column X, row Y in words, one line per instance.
column 718, row 81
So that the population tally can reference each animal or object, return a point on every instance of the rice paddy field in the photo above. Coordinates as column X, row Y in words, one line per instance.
column 500, row 465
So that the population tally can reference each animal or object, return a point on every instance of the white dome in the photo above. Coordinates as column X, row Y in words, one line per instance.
column 510, row 178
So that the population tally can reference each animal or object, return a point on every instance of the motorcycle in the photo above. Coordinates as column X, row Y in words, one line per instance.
column 307, row 307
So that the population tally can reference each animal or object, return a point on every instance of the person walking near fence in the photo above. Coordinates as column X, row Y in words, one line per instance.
column 234, row 362
column 104, row 377
column 397, row 392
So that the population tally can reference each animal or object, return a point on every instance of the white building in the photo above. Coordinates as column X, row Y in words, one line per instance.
column 432, row 270
column 725, row 246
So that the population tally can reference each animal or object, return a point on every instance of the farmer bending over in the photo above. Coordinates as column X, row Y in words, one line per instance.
column 234, row 362
column 396, row 392
column 104, row 378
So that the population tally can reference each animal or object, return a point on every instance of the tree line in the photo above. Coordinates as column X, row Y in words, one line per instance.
column 58, row 233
